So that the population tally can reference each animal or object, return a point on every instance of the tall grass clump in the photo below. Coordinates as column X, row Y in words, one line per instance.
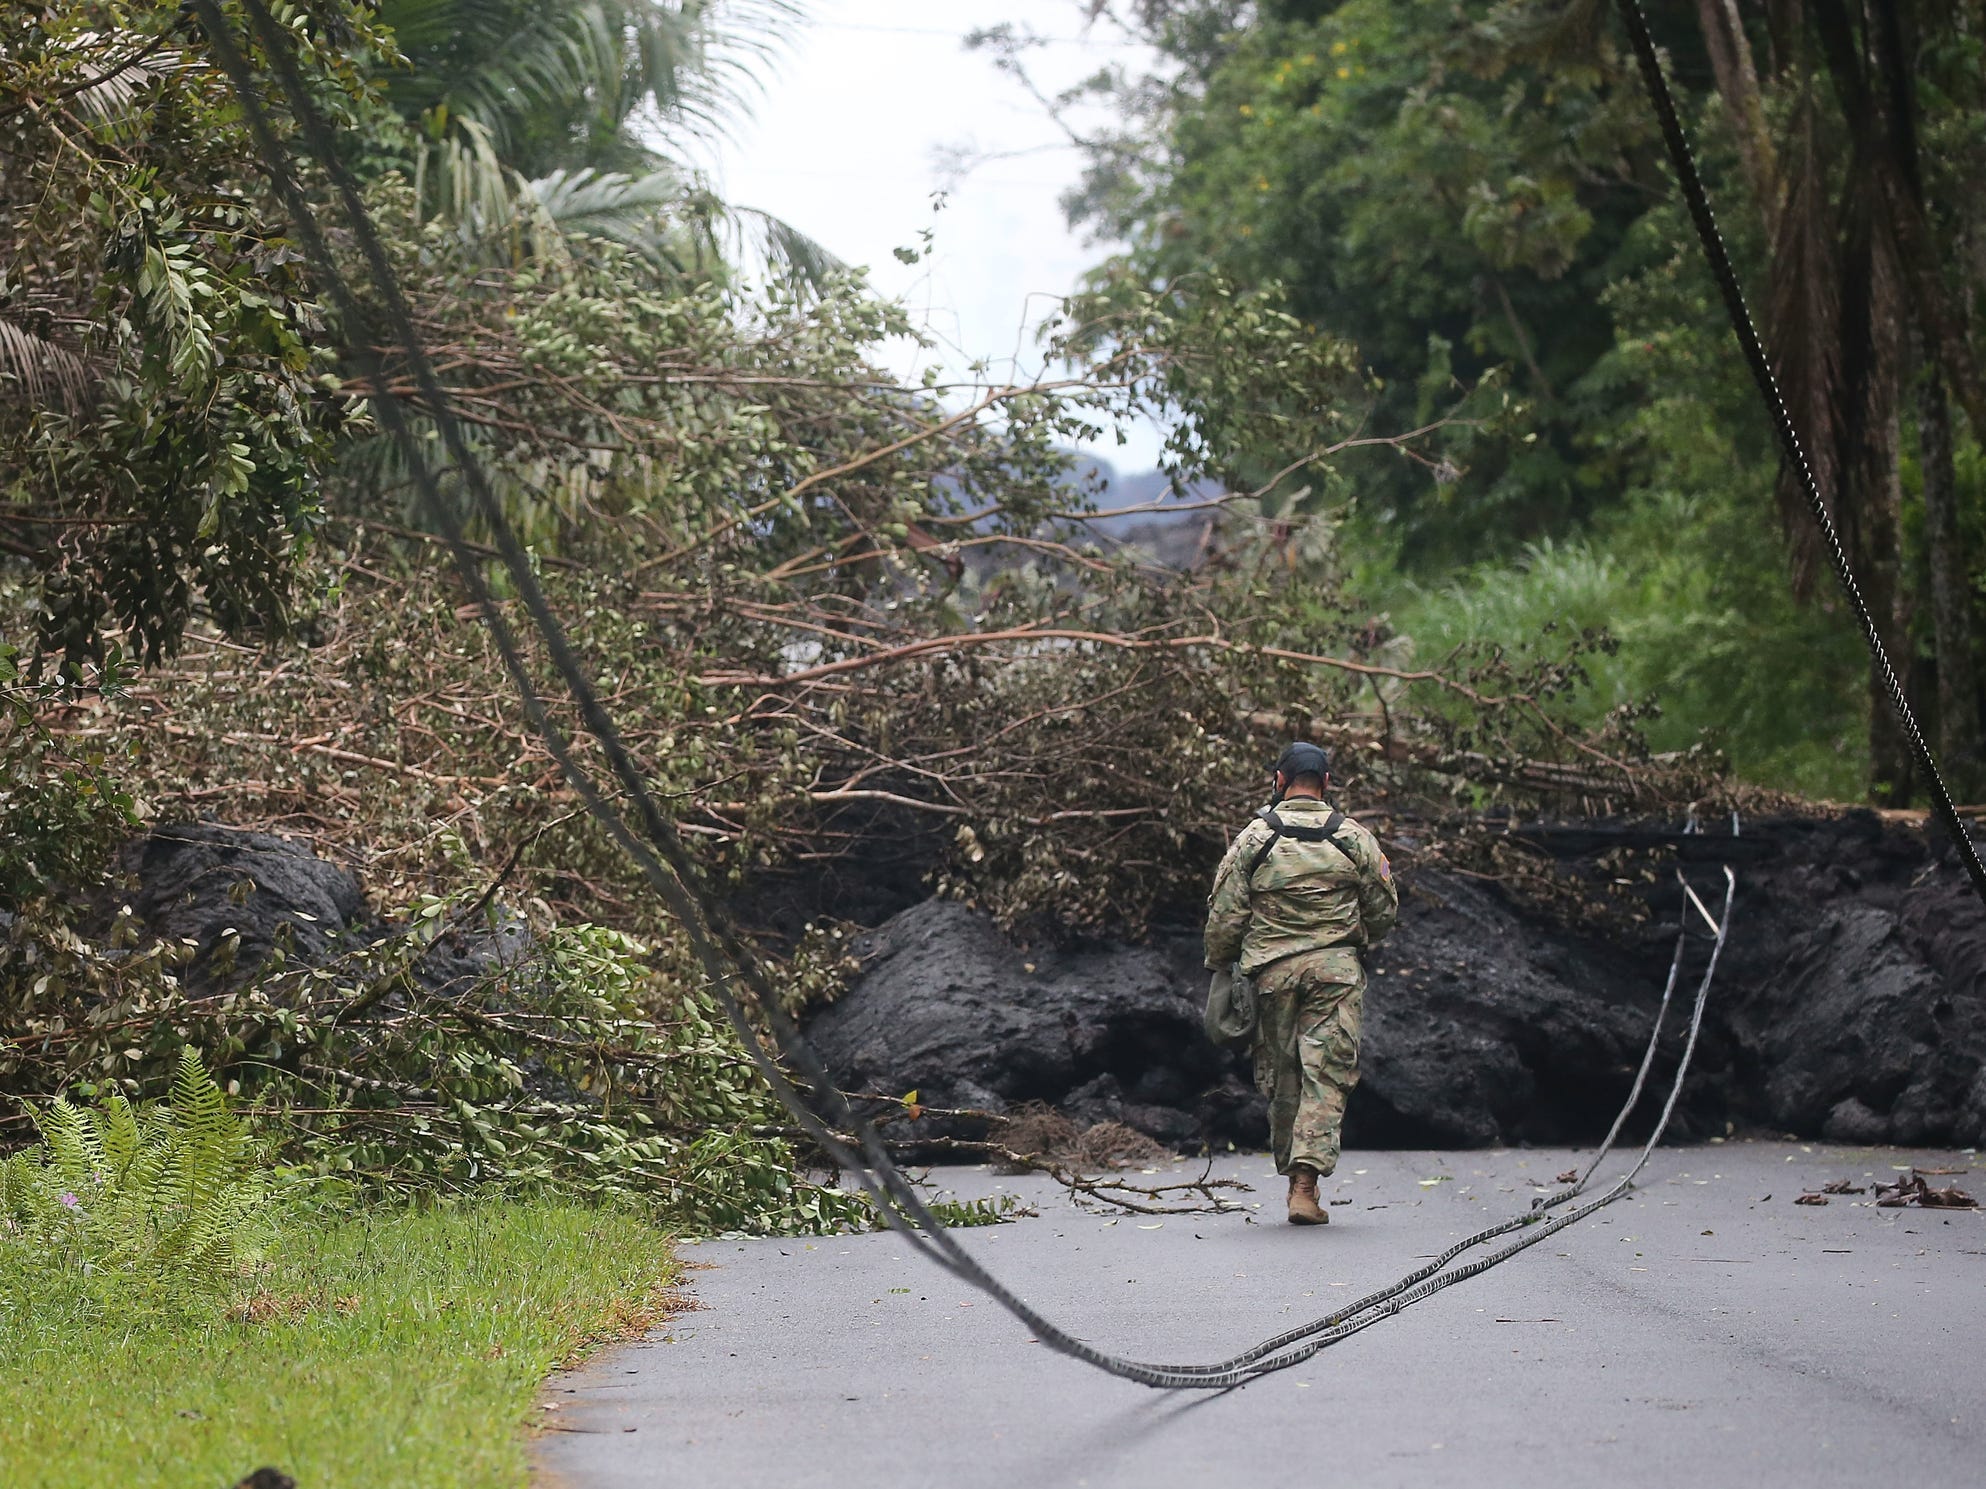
column 1718, row 645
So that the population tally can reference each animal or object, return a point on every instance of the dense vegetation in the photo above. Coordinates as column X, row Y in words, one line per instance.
column 841, row 621
column 1474, row 196
column 1404, row 279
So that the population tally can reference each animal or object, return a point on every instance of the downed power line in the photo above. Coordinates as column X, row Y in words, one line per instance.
column 658, row 848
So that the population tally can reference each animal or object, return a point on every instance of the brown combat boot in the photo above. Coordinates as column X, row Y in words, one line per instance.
column 1304, row 1209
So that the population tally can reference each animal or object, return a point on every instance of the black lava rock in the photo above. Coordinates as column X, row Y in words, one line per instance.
column 1857, row 991
column 1480, row 1030
column 211, row 885
column 207, row 884
column 951, row 1009
column 1850, row 1004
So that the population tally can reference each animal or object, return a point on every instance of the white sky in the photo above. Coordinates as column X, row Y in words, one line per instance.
column 846, row 145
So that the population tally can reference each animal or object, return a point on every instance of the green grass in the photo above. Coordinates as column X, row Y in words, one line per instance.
column 400, row 1347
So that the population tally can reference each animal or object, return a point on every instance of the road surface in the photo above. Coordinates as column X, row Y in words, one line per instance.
column 1705, row 1330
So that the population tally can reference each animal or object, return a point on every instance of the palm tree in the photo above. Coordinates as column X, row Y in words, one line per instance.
column 569, row 112
column 1859, row 279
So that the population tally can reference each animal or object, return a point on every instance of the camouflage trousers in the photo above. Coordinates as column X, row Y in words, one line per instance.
column 1306, row 1054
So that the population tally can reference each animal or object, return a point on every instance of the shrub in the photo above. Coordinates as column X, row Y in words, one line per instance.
column 584, row 1068
column 164, row 1191
column 63, row 811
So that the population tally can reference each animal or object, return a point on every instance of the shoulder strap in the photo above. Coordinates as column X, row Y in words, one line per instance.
column 1278, row 828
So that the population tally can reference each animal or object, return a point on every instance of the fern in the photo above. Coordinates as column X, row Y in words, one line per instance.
column 166, row 1192
column 118, row 1131
column 74, row 1150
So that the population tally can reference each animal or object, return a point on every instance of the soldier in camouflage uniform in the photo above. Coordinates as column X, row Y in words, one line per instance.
column 1302, row 891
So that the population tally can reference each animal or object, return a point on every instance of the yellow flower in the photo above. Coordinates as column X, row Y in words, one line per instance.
column 1337, row 49
column 1344, row 72
column 1261, row 183
column 1247, row 112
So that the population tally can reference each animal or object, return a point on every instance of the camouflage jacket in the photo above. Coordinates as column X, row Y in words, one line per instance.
column 1304, row 897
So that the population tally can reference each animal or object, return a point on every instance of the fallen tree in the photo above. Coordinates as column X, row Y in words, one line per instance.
column 442, row 1048
column 867, row 638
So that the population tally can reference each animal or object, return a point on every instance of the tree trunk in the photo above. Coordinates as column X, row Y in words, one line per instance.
column 1892, row 762
column 1951, row 601
column 1920, row 255
column 1736, row 76
column 1870, row 509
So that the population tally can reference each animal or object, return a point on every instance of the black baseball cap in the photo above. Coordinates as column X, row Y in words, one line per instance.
column 1303, row 759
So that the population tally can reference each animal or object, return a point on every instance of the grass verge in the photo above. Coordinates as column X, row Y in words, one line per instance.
column 399, row 1347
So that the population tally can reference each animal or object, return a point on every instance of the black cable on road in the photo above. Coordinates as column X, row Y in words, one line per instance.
column 682, row 902
column 723, row 955
column 1790, row 445
column 1537, row 1223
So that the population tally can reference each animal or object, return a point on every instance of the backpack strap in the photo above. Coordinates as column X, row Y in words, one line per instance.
column 1278, row 828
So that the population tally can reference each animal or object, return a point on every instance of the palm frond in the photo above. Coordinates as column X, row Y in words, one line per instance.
column 672, row 223
column 49, row 373
column 755, row 239
column 606, row 203
column 583, row 65
column 463, row 178
column 114, row 99
column 703, row 63
column 563, row 62
column 638, row 212
column 739, row 38
column 597, row 90
column 426, row 26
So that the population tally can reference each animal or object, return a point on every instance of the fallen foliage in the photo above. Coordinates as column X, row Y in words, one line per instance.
column 1915, row 1190
column 1041, row 1135
column 570, row 1068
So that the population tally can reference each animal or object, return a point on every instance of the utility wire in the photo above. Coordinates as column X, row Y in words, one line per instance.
column 722, row 954
column 1336, row 1320
column 681, row 902
column 1794, row 451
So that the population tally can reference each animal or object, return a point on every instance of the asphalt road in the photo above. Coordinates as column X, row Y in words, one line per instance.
column 1703, row 1331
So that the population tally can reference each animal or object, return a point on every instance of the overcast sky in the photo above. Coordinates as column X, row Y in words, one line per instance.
column 848, row 144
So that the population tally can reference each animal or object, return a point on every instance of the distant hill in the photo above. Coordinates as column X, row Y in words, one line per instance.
column 1177, row 539
column 1136, row 489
